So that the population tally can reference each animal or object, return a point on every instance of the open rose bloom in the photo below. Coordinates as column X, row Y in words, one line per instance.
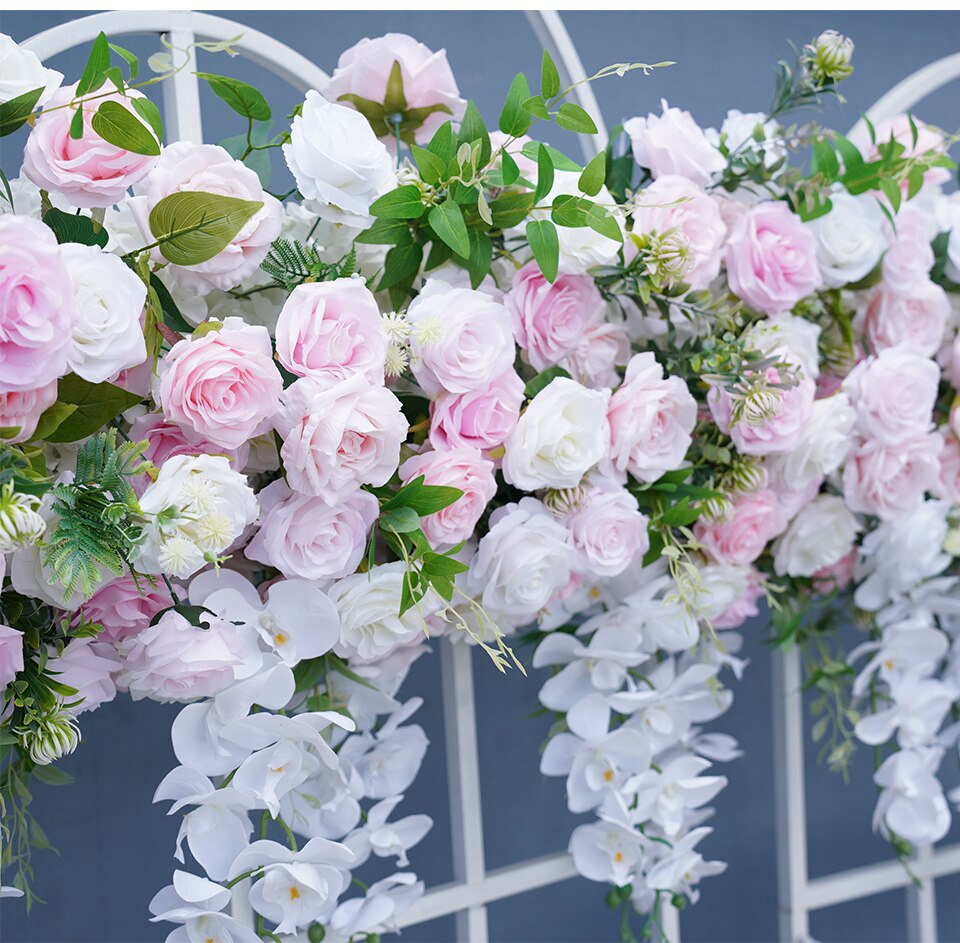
column 265, row 445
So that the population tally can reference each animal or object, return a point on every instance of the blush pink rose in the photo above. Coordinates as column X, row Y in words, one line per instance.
column 481, row 419
column 908, row 260
column 550, row 318
column 460, row 339
column 673, row 143
column 894, row 394
column 743, row 608
column 916, row 317
column 339, row 436
column 86, row 171
column 364, row 70
column 928, row 139
column 306, row 538
column 742, row 535
column 332, row 329
column 771, row 259
column 87, row 665
column 11, row 654
column 651, row 420
column 461, row 468
column 125, row 606
column 947, row 485
column 601, row 349
column 224, row 385
column 887, row 480
column 778, row 433
column 608, row 532
column 208, row 168
column 676, row 203
column 38, row 309
column 23, row 409
column 837, row 576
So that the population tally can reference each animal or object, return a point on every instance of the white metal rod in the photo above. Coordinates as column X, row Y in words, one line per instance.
column 181, row 94
column 463, row 782
column 670, row 921
column 791, row 818
column 922, row 904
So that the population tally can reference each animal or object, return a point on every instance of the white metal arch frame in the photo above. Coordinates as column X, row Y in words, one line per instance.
column 473, row 887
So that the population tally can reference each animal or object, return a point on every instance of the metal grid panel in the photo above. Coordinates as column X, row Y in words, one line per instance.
column 474, row 887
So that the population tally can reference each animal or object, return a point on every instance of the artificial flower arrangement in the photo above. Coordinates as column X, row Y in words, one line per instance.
column 259, row 448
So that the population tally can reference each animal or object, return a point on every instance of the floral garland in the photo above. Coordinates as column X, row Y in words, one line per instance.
column 257, row 448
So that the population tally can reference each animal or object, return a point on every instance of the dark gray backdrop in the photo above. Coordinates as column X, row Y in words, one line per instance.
column 115, row 847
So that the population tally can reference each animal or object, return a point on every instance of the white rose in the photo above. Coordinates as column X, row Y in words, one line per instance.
column 196, row 509
column 562, row 434
column 336, row 158
column 824, row 443
column 521, row 562
column 820, row 535
column 739, row 135
column 794, row 339
column 21, row 72
column 849, row 239
column 107, row 337
column 369, row 606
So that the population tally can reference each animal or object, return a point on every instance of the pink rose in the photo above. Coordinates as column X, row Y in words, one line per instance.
column 85, row 171
column 339, row 436
column 600, row 350
column 947, row 485
column 208, row 168
column 743, row 608
column 651, row 420
column 928, row 139
column 771, row 259
column 332, row 329
column 306, row 538
column 11, row 654
column 125, row 606
column 837, row 576
column 481, row 419
column 908, row 260
column 675, row 203
column 888, row 480
column 742, row 535
column 915, row 317
column 223, row 385
column 87, row 665
column 673, row 143
column 551, row 318
column 894, row 394
column 460, row 339
column 791, row 500
column 608, row 531
column 364, row 70
column 780, row 432
column 527, row 167
column 37, row 306
column 461, row 468
column 23, row 409
column 174, row 660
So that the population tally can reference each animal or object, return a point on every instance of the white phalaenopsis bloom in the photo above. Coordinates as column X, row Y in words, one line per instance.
column 683, row 867
column 386, row 839
column 911, row 644
column 665, row 796
column 377, row 912
column 911, row 803
column 919, row 707
column 197, row 904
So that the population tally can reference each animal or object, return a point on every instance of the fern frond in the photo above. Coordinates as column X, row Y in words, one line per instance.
column 291, row 263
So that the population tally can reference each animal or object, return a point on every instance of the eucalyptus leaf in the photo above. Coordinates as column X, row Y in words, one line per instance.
column 594, row 174
column 549, row 77
column 573, row 118
column 446, row 220
column 513, row 119
column 403, row 203
column 545, row 246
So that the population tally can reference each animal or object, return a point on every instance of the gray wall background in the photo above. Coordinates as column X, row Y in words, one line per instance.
column 116, row 848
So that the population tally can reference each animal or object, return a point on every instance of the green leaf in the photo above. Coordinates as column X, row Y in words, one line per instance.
column 549, row 77
column 97, row 62
column 244, row 99
column 569, row 210
column 542, row 380
column 892, row 192
column 481, row 255
column 545, row 246
column 401, row 263
column 133, row 63
column 432, row 498
column 403, row 203
column 52, row 776
column 508, row 169
column 442, row 143
column 537, row 107
column 513, row 119
column 560, row 160
column 96, row 404
column 150, row 113
column 473, row 129
column 594, row 175
column 76, row 124
column 51, row 420
column 849, row 153
column 511, row 209
column 544, row 175
column 446, row 220
column 386, row 232
column 116, row 77
column 599, row 220
column 192, row 226
column 14, row 113
column 402, row 520
column 68, row 227
column 395, row 101
column 431, row 167
column 171, row 313
column 258, row 161
column 439, row 565
column 573, row 118
column 120, row 127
